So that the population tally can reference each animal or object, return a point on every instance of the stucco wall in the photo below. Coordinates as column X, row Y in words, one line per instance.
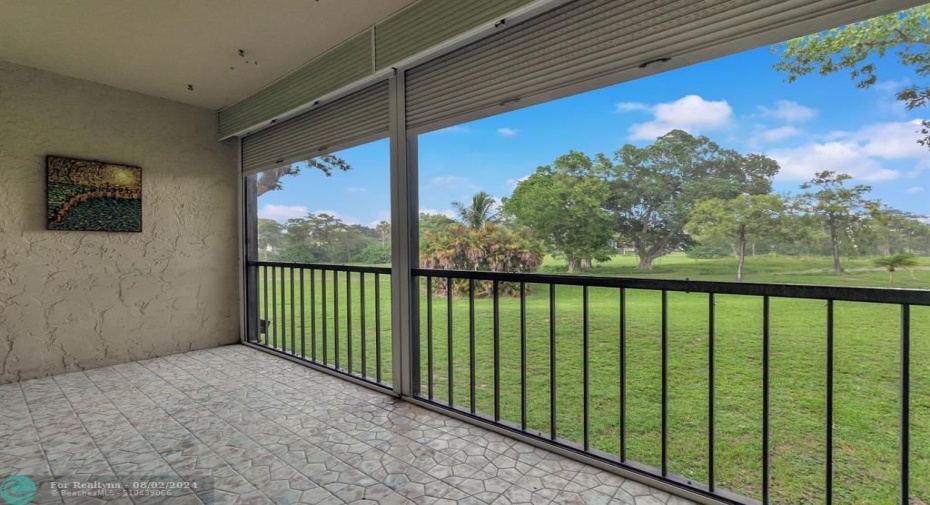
column 75, row 300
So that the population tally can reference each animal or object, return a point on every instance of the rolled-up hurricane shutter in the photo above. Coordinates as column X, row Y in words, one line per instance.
column 354, row 119
column 585, row 44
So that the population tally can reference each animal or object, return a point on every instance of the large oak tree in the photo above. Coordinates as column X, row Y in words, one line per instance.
column 563, row 204
column 652, row 189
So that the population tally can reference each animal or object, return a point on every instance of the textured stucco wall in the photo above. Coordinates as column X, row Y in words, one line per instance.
column 75, row 300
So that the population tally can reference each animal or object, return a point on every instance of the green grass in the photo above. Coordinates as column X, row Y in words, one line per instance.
column 775, row 269
column 866, row 364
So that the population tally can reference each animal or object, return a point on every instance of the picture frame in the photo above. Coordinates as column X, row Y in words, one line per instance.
column 92, row 195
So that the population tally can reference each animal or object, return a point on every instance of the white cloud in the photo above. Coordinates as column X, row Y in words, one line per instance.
column 859, row 153
column 452, row 181
column 801, row 163
column 921, row 167
column 690, row 113
column 890, row 86
column 506, row 132
column 356, row 189
column 384, row 215
column 776, row 134
column 448, row 212
column 631, row 106
column 915, row 189
column 512, row 183
column 892, row 140
column 887, row 92
column 281, row 213
column 789, row 111
column 836, row 135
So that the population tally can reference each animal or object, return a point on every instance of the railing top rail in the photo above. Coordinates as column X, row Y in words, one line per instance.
column 838, row 293
column 323, row 266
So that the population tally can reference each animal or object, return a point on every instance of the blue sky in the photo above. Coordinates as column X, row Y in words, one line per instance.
column 814, row 124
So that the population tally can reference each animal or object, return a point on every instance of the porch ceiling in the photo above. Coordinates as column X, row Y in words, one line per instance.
column 160, row 47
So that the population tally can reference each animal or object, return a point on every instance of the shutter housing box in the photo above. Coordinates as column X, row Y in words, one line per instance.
column 352, row 120
column 588, row 44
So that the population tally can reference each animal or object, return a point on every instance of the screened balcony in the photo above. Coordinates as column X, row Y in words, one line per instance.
column 195, row 360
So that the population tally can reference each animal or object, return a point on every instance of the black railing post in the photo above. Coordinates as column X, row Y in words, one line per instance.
column 905, row 448
column 765, row 401
column 828, row 485
column 523, row 356
column 471, row 345
column 378, row 327
column 283, row 311
column 664, row 337
column 293, row 315
column 325, row 319
column 349, row 320
column 710, row 390
column 497, row 354
column 274, row 307
column 552, row 385
column 303, row 318
column 362, row 317
column 585, row 371
column 312, row 315
column 622, row 374
column 450, row 362
column 336, row 319
column 265, row 316
column 429, row 337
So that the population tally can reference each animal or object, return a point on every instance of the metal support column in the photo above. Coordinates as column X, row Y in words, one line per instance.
column 248, row 204
column 404, row 243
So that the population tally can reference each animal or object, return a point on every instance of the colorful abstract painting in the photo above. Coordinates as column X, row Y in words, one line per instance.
column 93, row 195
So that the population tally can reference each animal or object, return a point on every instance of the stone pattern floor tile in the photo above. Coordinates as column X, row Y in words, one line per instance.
column 259, row 429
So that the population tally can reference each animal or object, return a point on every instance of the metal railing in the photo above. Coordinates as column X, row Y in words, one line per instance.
column 527, row 353
column 449, row 296
column 311, row 312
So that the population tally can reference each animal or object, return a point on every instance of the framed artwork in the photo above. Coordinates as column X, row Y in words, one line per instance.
column 87, row 195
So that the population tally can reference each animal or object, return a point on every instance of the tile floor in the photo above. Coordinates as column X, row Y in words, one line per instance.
column 247, row 427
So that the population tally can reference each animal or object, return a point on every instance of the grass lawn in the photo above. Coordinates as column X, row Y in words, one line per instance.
column 866, row 371
column 776, row 269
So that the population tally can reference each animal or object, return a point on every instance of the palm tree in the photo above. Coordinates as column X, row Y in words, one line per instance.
column 481, row 210
column 892, row 263
column 383, row 228
column 493, row 248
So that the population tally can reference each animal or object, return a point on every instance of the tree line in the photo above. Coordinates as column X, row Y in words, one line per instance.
column 680, row 193
column 686, row 193
column 323, row 238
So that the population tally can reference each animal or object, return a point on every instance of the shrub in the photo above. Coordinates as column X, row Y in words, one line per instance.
column 375, row 253
column 493, row 247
